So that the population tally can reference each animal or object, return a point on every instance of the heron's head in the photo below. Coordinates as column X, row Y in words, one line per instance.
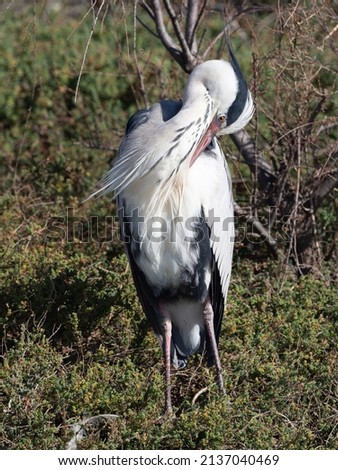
column 224, row 87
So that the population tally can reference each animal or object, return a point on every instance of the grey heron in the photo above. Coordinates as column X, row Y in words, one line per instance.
column 174, row 198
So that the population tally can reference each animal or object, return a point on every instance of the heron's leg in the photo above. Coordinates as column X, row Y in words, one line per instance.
column 166, row 333
column 209, row 323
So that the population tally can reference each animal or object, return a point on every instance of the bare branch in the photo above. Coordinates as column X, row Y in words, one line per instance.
column 139, row 72
column 246, row 146
column 326, row 127
column 95, row 18
column 169, row 44
column 198, row 394
column 314, row 115
column 229, row 21
column 147, row 8
column 190, row 24
column 328, row 183
column 212, row 45
column 147, row 28
column 266, row 235
column 201, row 13
column 161, row 29
column 189, row 59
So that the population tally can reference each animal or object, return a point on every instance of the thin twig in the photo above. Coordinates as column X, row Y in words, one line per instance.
column 325, row 187
column 272, row 243
column 314, row 115
column 147, row 8
column 81, row 21
column 125, row 27
column 326, row 127
column 190, row 24
column 165, row 37
column 105, row 13
column 331, row 32
column 147, row 27
column 212, row 44
column 139, row 72
column 200, row 15
column 184, row 46
column 296, row 205
column 95, row 18
column 176, row 25
column 198, row 394
column 246, row 146
column 161, row 29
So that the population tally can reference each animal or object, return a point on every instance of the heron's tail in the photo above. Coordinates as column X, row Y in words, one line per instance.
column 188, row 334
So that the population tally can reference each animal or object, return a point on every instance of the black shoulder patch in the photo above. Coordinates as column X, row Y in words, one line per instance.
column 169, row 109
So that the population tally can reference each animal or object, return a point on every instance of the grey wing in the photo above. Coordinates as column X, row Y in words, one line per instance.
column 133, row 159
column 222, row 233
column 148, row 301
column 222, row 225
column 165, row 111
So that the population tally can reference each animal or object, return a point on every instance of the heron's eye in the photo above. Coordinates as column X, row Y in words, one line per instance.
column 222, row 118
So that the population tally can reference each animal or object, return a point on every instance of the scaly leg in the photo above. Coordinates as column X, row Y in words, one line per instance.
column 208, row 314
column 166, row 333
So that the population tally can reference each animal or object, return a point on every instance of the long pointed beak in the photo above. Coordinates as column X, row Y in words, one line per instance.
column 206, row 139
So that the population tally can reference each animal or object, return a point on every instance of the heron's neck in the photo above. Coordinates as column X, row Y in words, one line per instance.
column 196, row 97
column 185, row 130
